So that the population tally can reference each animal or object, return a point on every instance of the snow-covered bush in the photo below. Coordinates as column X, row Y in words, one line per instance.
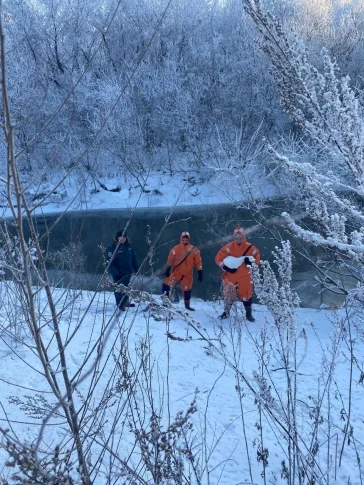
column 329, row 117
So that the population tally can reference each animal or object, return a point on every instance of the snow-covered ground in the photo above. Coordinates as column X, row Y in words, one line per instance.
column 254, row 383
column 177, row 353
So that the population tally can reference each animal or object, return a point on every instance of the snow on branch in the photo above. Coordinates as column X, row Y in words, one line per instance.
column 355, row 248
column 321, row 101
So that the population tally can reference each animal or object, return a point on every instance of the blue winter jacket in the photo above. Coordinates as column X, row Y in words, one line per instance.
column 122, row 260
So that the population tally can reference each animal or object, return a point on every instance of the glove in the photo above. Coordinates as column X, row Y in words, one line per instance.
column 168, row 272
column 247, row 261
column 199, row 279
column 229, row 270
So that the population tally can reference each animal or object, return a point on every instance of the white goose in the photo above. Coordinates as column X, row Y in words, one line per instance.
column 233, row 263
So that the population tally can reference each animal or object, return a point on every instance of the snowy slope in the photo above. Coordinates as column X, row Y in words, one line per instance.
column 201, row 353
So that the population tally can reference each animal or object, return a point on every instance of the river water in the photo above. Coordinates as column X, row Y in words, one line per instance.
column 92, row 231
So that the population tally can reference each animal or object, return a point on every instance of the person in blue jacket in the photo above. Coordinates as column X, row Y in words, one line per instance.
column 122, row 262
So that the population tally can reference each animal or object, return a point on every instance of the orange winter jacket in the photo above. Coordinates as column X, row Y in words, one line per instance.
column 241, row 279
column 183, row 258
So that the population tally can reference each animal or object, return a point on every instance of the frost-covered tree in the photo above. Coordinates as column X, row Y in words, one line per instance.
column 141, row 84
column 325, row 107
column 131, row 85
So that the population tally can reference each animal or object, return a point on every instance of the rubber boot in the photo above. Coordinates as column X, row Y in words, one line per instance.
column 175, row 296
column 188, row 306
column 166, row 290
column 226, row 312
column 248, row 313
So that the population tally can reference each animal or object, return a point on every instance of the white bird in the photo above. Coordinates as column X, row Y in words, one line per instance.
column 233, row 263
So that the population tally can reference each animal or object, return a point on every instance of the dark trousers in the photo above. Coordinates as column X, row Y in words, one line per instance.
column 121, row 297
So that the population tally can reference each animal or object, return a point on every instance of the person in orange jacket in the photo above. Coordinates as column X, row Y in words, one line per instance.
column 181, row 261
column 236, row 278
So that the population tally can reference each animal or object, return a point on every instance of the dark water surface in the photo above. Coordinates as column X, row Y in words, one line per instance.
column 95, row 229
